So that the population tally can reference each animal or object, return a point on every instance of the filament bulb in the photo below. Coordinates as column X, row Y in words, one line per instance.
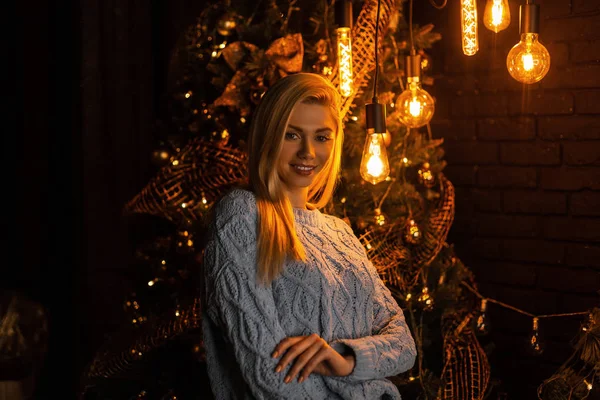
column 374, row 166
column 528, row 61
column 415, row 106
column 344, row 59
column 496, row 16
column 468, row 22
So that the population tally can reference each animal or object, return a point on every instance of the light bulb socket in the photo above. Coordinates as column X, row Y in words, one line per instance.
column 376, row 117
column 529, row 18
column 343, row 14
column 413, row 66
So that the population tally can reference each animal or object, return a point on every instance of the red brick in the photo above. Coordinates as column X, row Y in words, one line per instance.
column 583, row 255
column 460, row 153
column 551, row 10
column 507, row 177
column 570, row 178
column 585, row 203
column 491, row 105
column 460, row 175
column 486, row 248
column 571, row 127
column 582, row 153
column 519, row 128
column 588, row 102
column 463, row 224
column 579, row 76
column 533, row 250
column 568, row 29
column 535, row 202
column 559, row 55
column 565, row 228
column 535, row 302
column 536, row 153
column 584, row 6
column 458, row 83
column 500, row 81
column 580, row 280
column 510, row 273
column 572, row 303
column 487, row 200
column 456, row 130
column 506, row 225
column 463, row 200
column 462, row 106
column 541, row 103
column 587, row 51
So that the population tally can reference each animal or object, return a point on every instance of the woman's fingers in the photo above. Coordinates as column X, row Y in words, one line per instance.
column 320, row 356
column 294, row 346
column 306, row 356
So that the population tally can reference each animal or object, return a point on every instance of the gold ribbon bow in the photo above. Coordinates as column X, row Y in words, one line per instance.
column 257, row 69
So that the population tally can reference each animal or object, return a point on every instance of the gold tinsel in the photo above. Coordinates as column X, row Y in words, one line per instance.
column 188, row 187
column 466, row 371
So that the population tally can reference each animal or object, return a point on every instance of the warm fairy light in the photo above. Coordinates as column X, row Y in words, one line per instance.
column 177, row 313
column 151, row 283
column 175, row 162
column 344, row 59
column 588, row 385
column 528, row 61
column 183, row 205
column 496, row 16
column 468, row 15
column 374, row 166
column 188, row 94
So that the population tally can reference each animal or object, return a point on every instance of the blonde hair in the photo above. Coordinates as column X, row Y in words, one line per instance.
column 277, row 237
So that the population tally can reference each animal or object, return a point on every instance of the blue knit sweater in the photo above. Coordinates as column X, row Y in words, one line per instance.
column 336, row 294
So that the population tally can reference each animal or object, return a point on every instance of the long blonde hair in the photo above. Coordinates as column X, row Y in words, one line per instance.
column 277, row 239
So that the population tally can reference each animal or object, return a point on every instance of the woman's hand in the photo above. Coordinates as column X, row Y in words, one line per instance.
column 311, row 354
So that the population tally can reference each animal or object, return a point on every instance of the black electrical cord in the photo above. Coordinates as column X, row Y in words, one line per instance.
column 376, row 53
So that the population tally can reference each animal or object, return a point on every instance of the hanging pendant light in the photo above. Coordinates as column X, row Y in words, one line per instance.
column 528, row 61
column 343, row 17
column 415, row 106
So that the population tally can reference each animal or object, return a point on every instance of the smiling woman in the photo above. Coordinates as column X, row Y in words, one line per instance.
column 294, row 308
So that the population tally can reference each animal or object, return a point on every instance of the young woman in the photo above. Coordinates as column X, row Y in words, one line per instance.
column 294, row 309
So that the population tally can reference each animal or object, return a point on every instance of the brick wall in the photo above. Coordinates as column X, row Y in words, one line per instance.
column 525, row 161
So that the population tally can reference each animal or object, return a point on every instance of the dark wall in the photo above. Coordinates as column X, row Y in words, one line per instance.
column 525, row 160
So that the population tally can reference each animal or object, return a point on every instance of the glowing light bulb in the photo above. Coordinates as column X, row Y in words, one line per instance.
column 496, row 16
column 468, row 22
column 344, row 51
column 374, row 166
column 344, row 46
column 482, row 321
column 528, row 61
column 415, row 106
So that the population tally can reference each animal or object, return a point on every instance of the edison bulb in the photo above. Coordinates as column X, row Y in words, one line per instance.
column 374, row 166
column 496, row 16
column 344, row 59
column 415, row 106
column 528, row 61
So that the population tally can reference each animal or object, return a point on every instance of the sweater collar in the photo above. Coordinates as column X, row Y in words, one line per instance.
column 307, row 217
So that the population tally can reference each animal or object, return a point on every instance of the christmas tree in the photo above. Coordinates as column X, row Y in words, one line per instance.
column 218, row 72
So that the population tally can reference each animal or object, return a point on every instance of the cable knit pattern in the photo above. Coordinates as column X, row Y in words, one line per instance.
column 336, row 293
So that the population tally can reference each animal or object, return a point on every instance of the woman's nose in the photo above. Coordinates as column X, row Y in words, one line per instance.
column 307, row 150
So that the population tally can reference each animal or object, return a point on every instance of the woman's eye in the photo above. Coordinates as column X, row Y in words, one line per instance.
column 323, row 138
column 291, row 135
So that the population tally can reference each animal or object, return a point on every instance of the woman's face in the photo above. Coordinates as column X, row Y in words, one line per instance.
column 307, row 145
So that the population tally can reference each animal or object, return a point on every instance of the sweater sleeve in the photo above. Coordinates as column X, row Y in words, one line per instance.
column 390, row 350
column 243, row 309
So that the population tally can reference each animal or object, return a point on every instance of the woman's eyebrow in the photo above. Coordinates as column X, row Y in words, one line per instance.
column 317, row 131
